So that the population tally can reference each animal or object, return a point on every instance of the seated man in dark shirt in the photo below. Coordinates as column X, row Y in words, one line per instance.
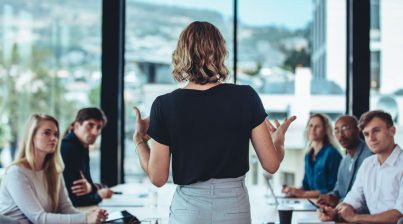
column 348, row 135
column 75, row 153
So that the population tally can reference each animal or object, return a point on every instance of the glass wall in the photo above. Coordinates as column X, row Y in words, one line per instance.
column 293, row 62
column 293, row 54
column 49, row 63
column 386, row 58
column 152, row 30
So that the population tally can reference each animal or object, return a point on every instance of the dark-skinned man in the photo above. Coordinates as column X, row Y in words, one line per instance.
column 348, row 135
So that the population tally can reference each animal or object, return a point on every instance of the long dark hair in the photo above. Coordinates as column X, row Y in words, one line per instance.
column 86, row 114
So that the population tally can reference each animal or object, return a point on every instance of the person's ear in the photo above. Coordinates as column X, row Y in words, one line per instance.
column 392, row 130
column 76, row 125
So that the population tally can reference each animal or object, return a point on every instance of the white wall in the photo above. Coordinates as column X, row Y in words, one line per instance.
column 391, row 45
column 336, row 41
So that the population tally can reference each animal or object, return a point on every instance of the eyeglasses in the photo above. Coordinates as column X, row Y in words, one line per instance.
column 343, row 129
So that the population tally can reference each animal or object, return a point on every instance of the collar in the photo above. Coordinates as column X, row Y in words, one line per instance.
column 321, row 152
column 358, row 150
column 392, row 159
column 71, row 136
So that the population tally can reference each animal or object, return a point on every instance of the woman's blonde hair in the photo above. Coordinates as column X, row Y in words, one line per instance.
column 327, row 125
column 53, row 164
column 200, row 54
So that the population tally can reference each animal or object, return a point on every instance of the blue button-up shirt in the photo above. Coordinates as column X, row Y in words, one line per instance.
column 321, row 174
column 348, row 170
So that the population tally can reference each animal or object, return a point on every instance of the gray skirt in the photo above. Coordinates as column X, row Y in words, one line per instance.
column 213, row 201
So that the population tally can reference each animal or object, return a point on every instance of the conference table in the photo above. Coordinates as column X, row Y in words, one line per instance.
column 151, row 205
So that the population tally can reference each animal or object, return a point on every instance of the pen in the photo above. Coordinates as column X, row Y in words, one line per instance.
column 117, row 192
column 317, row 206
column 313, row 203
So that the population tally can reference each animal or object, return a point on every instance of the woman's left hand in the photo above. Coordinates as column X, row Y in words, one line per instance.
column 296, row 192
column 278, row 130
column 140, row 134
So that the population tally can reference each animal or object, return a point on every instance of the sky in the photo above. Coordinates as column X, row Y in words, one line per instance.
column 292, row 14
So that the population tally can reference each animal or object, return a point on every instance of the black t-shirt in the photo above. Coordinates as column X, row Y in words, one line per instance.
column 207, row 131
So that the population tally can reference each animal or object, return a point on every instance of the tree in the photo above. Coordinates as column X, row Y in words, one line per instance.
column 35, row 88
column 95, row 95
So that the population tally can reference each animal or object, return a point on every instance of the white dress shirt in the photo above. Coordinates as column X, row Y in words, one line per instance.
column 378, row 186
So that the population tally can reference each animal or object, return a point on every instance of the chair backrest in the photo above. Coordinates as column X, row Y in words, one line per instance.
column 7, row 220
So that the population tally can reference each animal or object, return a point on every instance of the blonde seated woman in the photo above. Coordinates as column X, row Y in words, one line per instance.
column 32, row 190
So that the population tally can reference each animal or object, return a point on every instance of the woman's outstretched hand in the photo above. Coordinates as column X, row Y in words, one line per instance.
column 140, row 134
column 278, row 130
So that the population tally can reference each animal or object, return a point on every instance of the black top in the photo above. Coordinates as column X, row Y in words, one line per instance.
column 76, row 158
column 207, row 131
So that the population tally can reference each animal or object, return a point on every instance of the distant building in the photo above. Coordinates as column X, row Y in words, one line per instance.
column 329, row 43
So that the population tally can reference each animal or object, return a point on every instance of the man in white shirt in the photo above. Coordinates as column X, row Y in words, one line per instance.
column 379, row 181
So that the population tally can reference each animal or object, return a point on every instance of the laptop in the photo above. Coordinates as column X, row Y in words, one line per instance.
column 297, row 204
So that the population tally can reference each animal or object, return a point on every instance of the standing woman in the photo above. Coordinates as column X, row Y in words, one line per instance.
column 206, row 127
column 322, row 160
column 32, row 190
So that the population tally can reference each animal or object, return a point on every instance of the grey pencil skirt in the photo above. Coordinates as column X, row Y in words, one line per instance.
column 213, row 201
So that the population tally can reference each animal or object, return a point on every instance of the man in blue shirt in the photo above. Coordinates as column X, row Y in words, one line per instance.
column 348, row 135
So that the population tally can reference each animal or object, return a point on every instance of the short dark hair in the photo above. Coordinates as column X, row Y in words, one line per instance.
column 351, row 119
column 90, row 113
column 368, row 116
column 87, row 114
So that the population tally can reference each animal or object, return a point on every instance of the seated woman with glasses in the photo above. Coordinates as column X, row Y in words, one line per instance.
column 32, row 189
column 321, row 162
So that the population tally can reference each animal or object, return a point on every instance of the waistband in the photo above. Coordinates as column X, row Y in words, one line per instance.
column 218, row 183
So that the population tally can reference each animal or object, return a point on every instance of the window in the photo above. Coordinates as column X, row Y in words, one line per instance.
column 152, row 31
column 375, row 21
column 288, row 178
column 49, row 63
column 296, row 64
column 375, row 70
column 374, row 13
column 386, row 53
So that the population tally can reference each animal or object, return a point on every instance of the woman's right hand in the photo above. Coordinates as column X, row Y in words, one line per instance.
column 140, row 134
column 96, row 216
